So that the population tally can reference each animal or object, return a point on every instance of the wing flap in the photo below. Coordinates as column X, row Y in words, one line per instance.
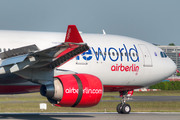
column 18, row 51
column 13, row 60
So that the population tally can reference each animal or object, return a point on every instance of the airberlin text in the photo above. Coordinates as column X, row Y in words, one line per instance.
column 121, row 67
column 86, row 90
column 127, row 68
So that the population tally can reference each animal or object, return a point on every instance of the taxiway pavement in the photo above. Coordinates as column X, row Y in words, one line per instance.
column 90, row 116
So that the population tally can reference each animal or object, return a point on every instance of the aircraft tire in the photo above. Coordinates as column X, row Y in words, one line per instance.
column 119, row 108
column 126, row 109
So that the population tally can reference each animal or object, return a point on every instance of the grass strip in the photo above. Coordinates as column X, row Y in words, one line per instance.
column 101, row 107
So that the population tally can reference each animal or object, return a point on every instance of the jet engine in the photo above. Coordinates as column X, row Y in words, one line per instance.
column 74, row 90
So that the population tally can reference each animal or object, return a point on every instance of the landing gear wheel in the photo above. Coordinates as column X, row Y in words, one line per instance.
column 119, row 108
column 126, row 109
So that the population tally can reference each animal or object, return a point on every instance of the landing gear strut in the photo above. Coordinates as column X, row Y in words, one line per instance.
column 123, row 107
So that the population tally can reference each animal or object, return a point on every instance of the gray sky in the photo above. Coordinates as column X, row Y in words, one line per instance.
column 155, row 21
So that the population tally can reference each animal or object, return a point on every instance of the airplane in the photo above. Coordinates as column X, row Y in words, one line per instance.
column 73, row 69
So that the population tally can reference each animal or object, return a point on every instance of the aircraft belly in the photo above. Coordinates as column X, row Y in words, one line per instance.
column 13, row 84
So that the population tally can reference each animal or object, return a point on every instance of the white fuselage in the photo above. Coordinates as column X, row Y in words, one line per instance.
column 116, row 60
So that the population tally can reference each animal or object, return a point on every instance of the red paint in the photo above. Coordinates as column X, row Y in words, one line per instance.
column 92, row 90
column 18, row 89
column 116, row 88
column 93, row 83
column 122, row 68
column 69, row 82
column 130, row 93
column 72, row 35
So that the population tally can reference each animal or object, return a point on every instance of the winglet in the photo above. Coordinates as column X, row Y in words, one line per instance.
column 72, row 35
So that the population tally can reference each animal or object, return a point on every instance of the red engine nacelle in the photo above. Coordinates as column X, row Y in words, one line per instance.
column 75, row 90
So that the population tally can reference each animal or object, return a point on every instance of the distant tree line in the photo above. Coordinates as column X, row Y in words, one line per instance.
column 167, row 85
column 171, row 44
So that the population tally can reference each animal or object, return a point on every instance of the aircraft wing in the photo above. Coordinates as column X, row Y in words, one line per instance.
column 30, row 56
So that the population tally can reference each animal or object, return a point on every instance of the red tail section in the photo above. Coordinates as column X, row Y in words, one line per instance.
column 72, row 35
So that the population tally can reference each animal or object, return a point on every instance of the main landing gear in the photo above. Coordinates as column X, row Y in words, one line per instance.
column 123, row 107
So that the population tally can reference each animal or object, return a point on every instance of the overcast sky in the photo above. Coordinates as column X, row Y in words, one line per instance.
column 155, row 21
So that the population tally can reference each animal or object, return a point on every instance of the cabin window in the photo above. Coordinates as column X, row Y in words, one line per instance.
column 162, row 54
column 133, row 55
column 125, row 54
column 117, row 54
column 165, row 54
column 121, row 54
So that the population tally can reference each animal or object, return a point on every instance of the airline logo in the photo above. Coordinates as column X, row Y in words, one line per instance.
column 132, row 68
column 114, row 54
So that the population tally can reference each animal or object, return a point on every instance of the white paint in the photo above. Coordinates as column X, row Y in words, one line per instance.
column 161, row 67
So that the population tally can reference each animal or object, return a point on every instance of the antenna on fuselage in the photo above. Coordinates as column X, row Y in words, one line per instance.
column 104, row 33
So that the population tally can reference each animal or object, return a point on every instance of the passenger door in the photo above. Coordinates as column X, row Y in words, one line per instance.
column 146, row 56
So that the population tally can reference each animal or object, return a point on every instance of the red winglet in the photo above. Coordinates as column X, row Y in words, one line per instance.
column 72, row 35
